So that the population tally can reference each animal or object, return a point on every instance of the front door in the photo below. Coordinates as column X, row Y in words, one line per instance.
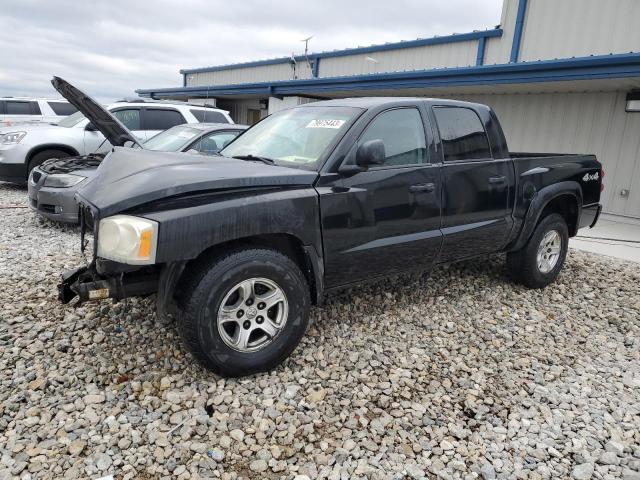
column 385, row 219
column 94, row 141
column 475, row 202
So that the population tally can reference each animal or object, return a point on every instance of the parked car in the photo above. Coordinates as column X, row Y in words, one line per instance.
column 316, row 198
column 25, row 110
column 52, row 186
column 25, row 147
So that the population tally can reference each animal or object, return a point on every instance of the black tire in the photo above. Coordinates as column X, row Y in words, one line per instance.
column 523, row 265
column 206, row 287
column 40, row 157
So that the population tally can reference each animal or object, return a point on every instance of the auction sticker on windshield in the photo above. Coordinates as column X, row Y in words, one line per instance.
column 325, row 123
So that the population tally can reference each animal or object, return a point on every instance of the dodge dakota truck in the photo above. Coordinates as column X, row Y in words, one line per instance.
column 316, row 198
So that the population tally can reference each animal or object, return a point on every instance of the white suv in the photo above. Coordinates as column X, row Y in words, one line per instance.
column 25, row 146
column 20, row 110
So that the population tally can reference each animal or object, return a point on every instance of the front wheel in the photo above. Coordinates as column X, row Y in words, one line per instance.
column 539, row 262
column 245, row 311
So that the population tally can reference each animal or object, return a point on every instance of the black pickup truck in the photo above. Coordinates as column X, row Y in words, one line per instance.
column 315, row 198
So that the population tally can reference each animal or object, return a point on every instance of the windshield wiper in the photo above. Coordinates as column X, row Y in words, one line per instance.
column 267, row 160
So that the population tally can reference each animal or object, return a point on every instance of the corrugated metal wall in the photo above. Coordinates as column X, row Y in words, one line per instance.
column 419, row 58
column 266, row 73
column 578, row 123
column 498, row 50
column 568, row 28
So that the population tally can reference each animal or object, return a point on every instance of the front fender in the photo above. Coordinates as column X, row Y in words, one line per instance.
column 537, row 204
column 187, row 231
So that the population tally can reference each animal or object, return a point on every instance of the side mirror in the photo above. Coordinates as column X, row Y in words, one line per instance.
column 370, row 153
column 90, row 127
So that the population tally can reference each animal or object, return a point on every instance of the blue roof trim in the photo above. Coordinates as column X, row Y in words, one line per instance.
column 458, row 37
column 517, row 34
column 581, row 68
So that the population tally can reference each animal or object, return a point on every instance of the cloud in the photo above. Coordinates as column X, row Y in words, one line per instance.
column 111, row 48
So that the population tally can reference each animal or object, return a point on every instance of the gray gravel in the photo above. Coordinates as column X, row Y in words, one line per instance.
column 459, row 374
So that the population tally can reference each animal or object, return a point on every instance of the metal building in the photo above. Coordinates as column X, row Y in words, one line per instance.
column 564, row 76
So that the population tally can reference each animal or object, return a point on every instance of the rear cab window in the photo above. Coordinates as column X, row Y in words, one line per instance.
column 162, row 118
column 462, row 134
column 209, row 116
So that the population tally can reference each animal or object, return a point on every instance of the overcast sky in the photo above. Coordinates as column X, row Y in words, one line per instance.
column 110, row 48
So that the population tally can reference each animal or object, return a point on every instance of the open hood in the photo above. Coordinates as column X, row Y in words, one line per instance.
column 101, row 118
column 129, row 177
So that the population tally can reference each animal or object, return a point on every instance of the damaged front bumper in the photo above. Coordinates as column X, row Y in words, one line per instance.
column 91, row 283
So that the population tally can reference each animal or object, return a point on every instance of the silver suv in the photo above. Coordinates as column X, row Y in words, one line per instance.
column 24, row 147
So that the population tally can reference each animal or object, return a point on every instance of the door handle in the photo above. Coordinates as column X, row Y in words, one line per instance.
column 495, row 180
column 422, row 187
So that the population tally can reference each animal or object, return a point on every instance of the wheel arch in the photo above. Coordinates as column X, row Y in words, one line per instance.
column 51, row 146
column 564, row 198
column 305, row 256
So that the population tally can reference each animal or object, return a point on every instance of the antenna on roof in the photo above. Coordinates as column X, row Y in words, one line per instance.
column 293, row 63
column 306, row 51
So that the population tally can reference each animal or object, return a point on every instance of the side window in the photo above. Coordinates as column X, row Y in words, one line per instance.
column 462, row 134
column 161, row 119
column 21, row 108
column 62, row 108
column 402, row 132
column 214, row 141
column 206, row 116
column 130, row 118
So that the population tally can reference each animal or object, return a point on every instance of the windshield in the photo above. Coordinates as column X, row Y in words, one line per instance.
column 294, row 138
column 71, row 120
column 172, row 140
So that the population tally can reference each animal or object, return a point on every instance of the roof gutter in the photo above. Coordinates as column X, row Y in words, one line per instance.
column 571, row 69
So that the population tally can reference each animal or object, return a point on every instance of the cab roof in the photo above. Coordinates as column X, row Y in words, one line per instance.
column 374, row 102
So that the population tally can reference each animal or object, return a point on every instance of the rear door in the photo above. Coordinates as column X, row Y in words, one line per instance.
column 385, row 219
column 475, row 197
column 156, row 120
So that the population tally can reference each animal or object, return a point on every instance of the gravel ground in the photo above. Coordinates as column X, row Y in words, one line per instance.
column 459, row 374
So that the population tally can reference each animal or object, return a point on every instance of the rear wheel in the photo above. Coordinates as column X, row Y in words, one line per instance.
column 245, row 311
column 539, row 262
column 40, row 157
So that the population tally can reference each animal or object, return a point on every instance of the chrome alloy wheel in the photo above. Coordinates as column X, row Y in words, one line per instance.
column 252, row 314
column 549, row 251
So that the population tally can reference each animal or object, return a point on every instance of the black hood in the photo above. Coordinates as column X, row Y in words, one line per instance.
column 128, row 177
column 101, row 118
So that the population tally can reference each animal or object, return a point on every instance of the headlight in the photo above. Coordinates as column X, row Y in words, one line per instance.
column 62, row 180
column 128, row 239
column 12, row 137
